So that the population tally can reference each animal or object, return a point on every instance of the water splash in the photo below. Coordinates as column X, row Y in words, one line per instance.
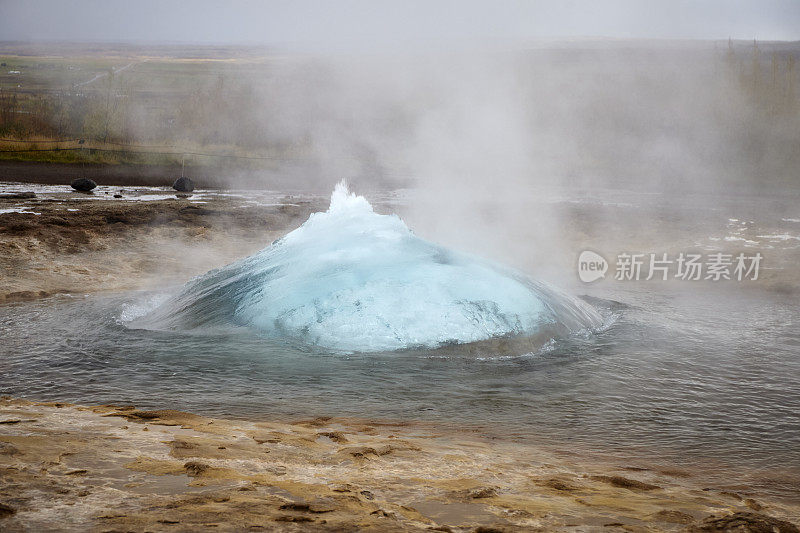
column 352, row 280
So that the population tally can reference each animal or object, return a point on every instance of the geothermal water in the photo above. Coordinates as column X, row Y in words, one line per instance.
column 352, row 280
column 704, row 376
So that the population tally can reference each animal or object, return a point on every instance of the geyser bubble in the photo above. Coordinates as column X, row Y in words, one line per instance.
column 352, row 280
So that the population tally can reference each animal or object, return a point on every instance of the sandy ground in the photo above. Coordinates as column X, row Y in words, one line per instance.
column 116, row 468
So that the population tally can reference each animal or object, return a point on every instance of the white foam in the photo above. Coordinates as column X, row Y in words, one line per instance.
column 23, row 210
column 781, row 237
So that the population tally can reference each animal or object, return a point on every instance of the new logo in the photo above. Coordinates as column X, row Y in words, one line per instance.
column 591, row 266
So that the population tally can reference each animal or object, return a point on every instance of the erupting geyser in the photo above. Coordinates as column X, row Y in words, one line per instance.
column 352, row 280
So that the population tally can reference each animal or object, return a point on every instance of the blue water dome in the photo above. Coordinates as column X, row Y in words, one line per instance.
column 353, row 280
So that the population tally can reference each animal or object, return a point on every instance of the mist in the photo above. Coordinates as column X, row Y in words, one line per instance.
column 482, row 137
column 485, row 113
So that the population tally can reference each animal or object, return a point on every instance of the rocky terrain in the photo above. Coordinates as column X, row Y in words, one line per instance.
column 75, row 243
column 117, row 468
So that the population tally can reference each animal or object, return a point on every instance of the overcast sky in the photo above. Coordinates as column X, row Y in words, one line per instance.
column 366, row 23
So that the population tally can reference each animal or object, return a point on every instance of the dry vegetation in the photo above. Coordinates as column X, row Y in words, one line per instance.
column 92, row 109
column 705, row 110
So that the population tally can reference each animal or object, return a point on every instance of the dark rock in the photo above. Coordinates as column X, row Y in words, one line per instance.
column 290, row 518
column 483, row 492
column 360, row 452
column 673, row 516
column 183, row 445
column 560, row 485
column 110, row 516
column 294, row 506
column 183, row 185
column 744, row 522
column 22, row 295
column 7, row 448
column 754, row 505
column 56, row 221
column 278, row 470
column 335, row 436
column 320, row 505
column 20, row 227
column 195, row 468
column 6, row 510
column 18, row 195
column 83, row 184
column 625, row 483
column 474, row 494
column 118, row 218
column 140, row 415
column 117, row 195
column 196, row 210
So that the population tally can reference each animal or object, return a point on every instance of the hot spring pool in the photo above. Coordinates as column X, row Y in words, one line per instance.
column 698, row 376
column 653, row 385
column 352, row 280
